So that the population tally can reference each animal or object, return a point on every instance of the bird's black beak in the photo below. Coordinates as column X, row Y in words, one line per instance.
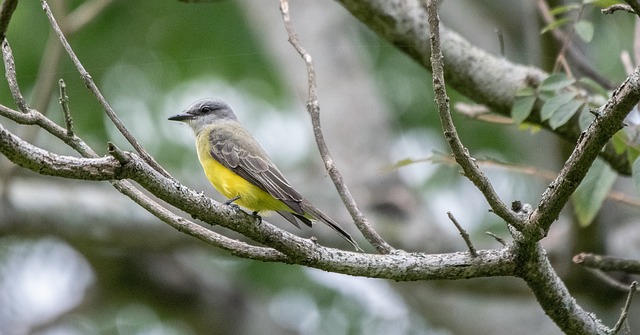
column 181, row 117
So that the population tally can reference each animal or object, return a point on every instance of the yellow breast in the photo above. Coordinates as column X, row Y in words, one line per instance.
column 231, row 185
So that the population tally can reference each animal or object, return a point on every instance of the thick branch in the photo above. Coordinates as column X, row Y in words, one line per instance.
column 44, row 162
column 396, row 266
column 552, row 294
column 484, row 78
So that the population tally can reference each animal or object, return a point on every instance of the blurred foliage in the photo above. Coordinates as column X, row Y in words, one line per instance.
column 168, row 41
column 138, row 52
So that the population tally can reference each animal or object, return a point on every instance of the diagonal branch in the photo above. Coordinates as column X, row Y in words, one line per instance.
column 400, row 266
column 314, row 110
column 6, row 11
column 484, row 78
column 634, row 5
column 609, row 119
column 183, row 225
column 88, row 81
column 552, row 295
column 460, row 153
column 532, row 262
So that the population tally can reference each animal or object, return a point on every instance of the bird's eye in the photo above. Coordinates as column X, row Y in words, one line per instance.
column 205, row 110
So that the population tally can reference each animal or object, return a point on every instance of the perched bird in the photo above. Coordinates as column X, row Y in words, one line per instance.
column 238, row 167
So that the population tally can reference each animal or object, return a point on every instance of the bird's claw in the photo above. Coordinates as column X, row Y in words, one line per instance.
column 257, row 216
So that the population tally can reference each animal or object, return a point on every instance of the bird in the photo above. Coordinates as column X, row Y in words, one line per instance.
column 239, row 168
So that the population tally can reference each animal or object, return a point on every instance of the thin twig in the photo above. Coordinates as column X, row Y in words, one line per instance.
column 566, row 45
column 84, row 14
column 608, row 279
column 314, row 110
column 10, row 75
column 500, row 41
column 634, row 5
column 577, row 57
column 86, row 77
column 607, row 263
column 625, row 310
column 64, row 102
column 183, row 225
column 497, row 238
column 616, row 7
column 461, row 154
column 465, row 236
column 6, row 11
column 532, row 171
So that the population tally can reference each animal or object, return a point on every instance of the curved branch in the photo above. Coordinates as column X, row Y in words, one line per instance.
column 314, row 111
column 460, row 153
column 183, row 225
column 397, row 266
column 88, row 80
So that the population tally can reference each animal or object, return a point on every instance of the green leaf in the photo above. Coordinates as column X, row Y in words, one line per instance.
column 546, row 95
column 588, row 198
column 522, row 108
column 555, row 82
column 584, row 29
column 563, row 9
column 620, row 140
column 525, row 91
column 551, row 106
column 564, row 113
column 633, row 153
column 555, row 24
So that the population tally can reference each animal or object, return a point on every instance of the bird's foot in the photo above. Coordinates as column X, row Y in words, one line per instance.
column 257, row 216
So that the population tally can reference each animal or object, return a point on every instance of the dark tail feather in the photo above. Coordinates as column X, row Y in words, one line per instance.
column 291, row 218
column 318, row 215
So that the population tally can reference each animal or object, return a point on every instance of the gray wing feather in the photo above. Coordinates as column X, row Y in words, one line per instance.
column 255, row 167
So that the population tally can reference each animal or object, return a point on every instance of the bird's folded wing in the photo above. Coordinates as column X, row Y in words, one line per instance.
column 254, row 167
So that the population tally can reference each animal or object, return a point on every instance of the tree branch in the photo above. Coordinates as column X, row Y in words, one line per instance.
column 634, row 5
column 609, row 119
column 460, row 153
column 397, row 266
column 313, row 107
column 607, row 263
column 484, row 78
column 551, row 293
column 86, row 77
column 6, row 11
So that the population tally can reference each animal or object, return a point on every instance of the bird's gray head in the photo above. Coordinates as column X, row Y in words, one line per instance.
column 205, row 112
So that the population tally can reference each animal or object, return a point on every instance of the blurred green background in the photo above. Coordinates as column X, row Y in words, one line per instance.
column 80, row 258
